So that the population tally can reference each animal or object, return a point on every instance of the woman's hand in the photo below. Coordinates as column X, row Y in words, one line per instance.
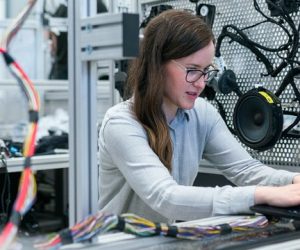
column 296, row 179
column 283, row 196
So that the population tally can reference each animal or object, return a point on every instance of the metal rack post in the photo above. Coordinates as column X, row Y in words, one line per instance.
column 90, row 39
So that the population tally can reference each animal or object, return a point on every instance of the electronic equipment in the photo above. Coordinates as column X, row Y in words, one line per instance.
column 292, row 212
column 276, row 6
column 258, row 119
column 224, row 83
column 207, row 12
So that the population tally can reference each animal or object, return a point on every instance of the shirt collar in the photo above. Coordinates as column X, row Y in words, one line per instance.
column 180, row 115
column 183, row 112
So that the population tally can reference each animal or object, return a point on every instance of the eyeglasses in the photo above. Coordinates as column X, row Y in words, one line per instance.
column 193, row 75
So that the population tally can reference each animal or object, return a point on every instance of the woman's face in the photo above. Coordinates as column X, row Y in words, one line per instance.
column 178, row 93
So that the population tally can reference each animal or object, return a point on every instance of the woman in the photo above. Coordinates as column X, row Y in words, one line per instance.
column 151, row 145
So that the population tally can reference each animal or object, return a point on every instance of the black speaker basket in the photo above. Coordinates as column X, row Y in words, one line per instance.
column 258, row 119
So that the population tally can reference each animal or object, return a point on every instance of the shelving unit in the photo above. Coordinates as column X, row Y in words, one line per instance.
column 45, row 162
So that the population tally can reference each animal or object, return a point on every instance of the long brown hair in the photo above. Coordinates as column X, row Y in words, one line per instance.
column 171, row 35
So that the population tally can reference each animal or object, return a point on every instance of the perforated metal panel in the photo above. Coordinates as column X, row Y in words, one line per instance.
column 249, row 71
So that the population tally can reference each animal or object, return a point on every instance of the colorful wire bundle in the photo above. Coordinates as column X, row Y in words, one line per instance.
column 82, row 231
column 143, row 227
column 16, row 25
column 101, row 223
column 27, row 189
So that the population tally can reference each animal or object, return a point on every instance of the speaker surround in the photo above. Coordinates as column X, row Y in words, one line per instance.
column 258, row 119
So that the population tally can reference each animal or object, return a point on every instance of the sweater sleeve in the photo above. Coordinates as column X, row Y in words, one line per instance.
column 235, row 163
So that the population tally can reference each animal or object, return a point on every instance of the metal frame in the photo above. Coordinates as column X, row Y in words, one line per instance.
column 44, row 162
column 86, row 46
column 108, row 36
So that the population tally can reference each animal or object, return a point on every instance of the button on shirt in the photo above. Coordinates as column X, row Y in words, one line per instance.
column 133, row 179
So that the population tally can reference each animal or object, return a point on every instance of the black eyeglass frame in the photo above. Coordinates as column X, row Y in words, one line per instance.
column 213, row 72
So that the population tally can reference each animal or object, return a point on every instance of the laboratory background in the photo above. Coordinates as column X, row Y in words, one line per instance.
column 65, row 63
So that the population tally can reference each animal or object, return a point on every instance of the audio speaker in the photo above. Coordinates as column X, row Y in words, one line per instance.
column 258, row 119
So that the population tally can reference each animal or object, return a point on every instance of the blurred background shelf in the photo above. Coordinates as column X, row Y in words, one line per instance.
column 44, row 162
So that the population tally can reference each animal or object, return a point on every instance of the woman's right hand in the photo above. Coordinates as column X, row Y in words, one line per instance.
column 283, row 196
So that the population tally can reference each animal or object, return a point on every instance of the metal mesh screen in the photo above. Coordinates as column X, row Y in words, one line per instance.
column 248, row 70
